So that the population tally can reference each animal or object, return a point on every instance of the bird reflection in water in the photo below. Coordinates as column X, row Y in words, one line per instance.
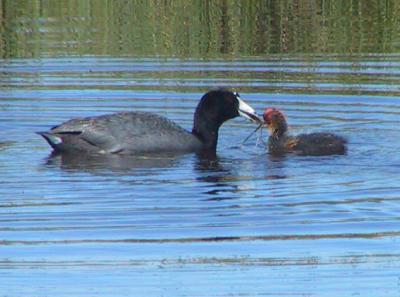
column 115, row 163
column 232, row 175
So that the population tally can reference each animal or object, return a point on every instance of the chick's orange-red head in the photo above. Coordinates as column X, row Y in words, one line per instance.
column 268, row 115
column 275, row 121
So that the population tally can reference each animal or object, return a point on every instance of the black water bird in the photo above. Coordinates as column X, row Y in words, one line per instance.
column 143, row 132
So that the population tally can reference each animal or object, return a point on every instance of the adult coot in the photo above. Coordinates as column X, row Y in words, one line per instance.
column 314, row 144
column 144, row 132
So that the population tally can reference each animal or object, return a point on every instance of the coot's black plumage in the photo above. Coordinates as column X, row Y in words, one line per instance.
column 144, row 132
column 313, row 144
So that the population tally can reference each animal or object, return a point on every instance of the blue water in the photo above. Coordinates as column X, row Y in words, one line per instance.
column 244, row 224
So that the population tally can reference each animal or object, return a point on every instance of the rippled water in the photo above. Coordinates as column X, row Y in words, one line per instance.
column 244, row 224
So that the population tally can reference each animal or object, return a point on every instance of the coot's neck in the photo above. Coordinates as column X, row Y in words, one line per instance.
column 279, row 128
column 206, row 129
column 278, row 134
column 276, row 142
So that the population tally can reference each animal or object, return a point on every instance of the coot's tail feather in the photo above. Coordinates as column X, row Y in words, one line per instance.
column 52, row 139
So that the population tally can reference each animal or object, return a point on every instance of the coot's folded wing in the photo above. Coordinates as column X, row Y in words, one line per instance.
column 126, row 132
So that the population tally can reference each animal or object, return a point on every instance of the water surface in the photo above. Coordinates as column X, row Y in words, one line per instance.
column 241, row 224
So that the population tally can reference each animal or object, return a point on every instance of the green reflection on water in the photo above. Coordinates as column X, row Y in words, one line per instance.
column 196, row 29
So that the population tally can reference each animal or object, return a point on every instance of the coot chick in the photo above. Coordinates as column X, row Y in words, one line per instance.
column 144, row 132
column 314, row 144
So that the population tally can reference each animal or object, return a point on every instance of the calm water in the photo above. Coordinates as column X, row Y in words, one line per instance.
column 244, row 224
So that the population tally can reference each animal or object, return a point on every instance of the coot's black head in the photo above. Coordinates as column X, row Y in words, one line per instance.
column 220, row 105
column 216, row 107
